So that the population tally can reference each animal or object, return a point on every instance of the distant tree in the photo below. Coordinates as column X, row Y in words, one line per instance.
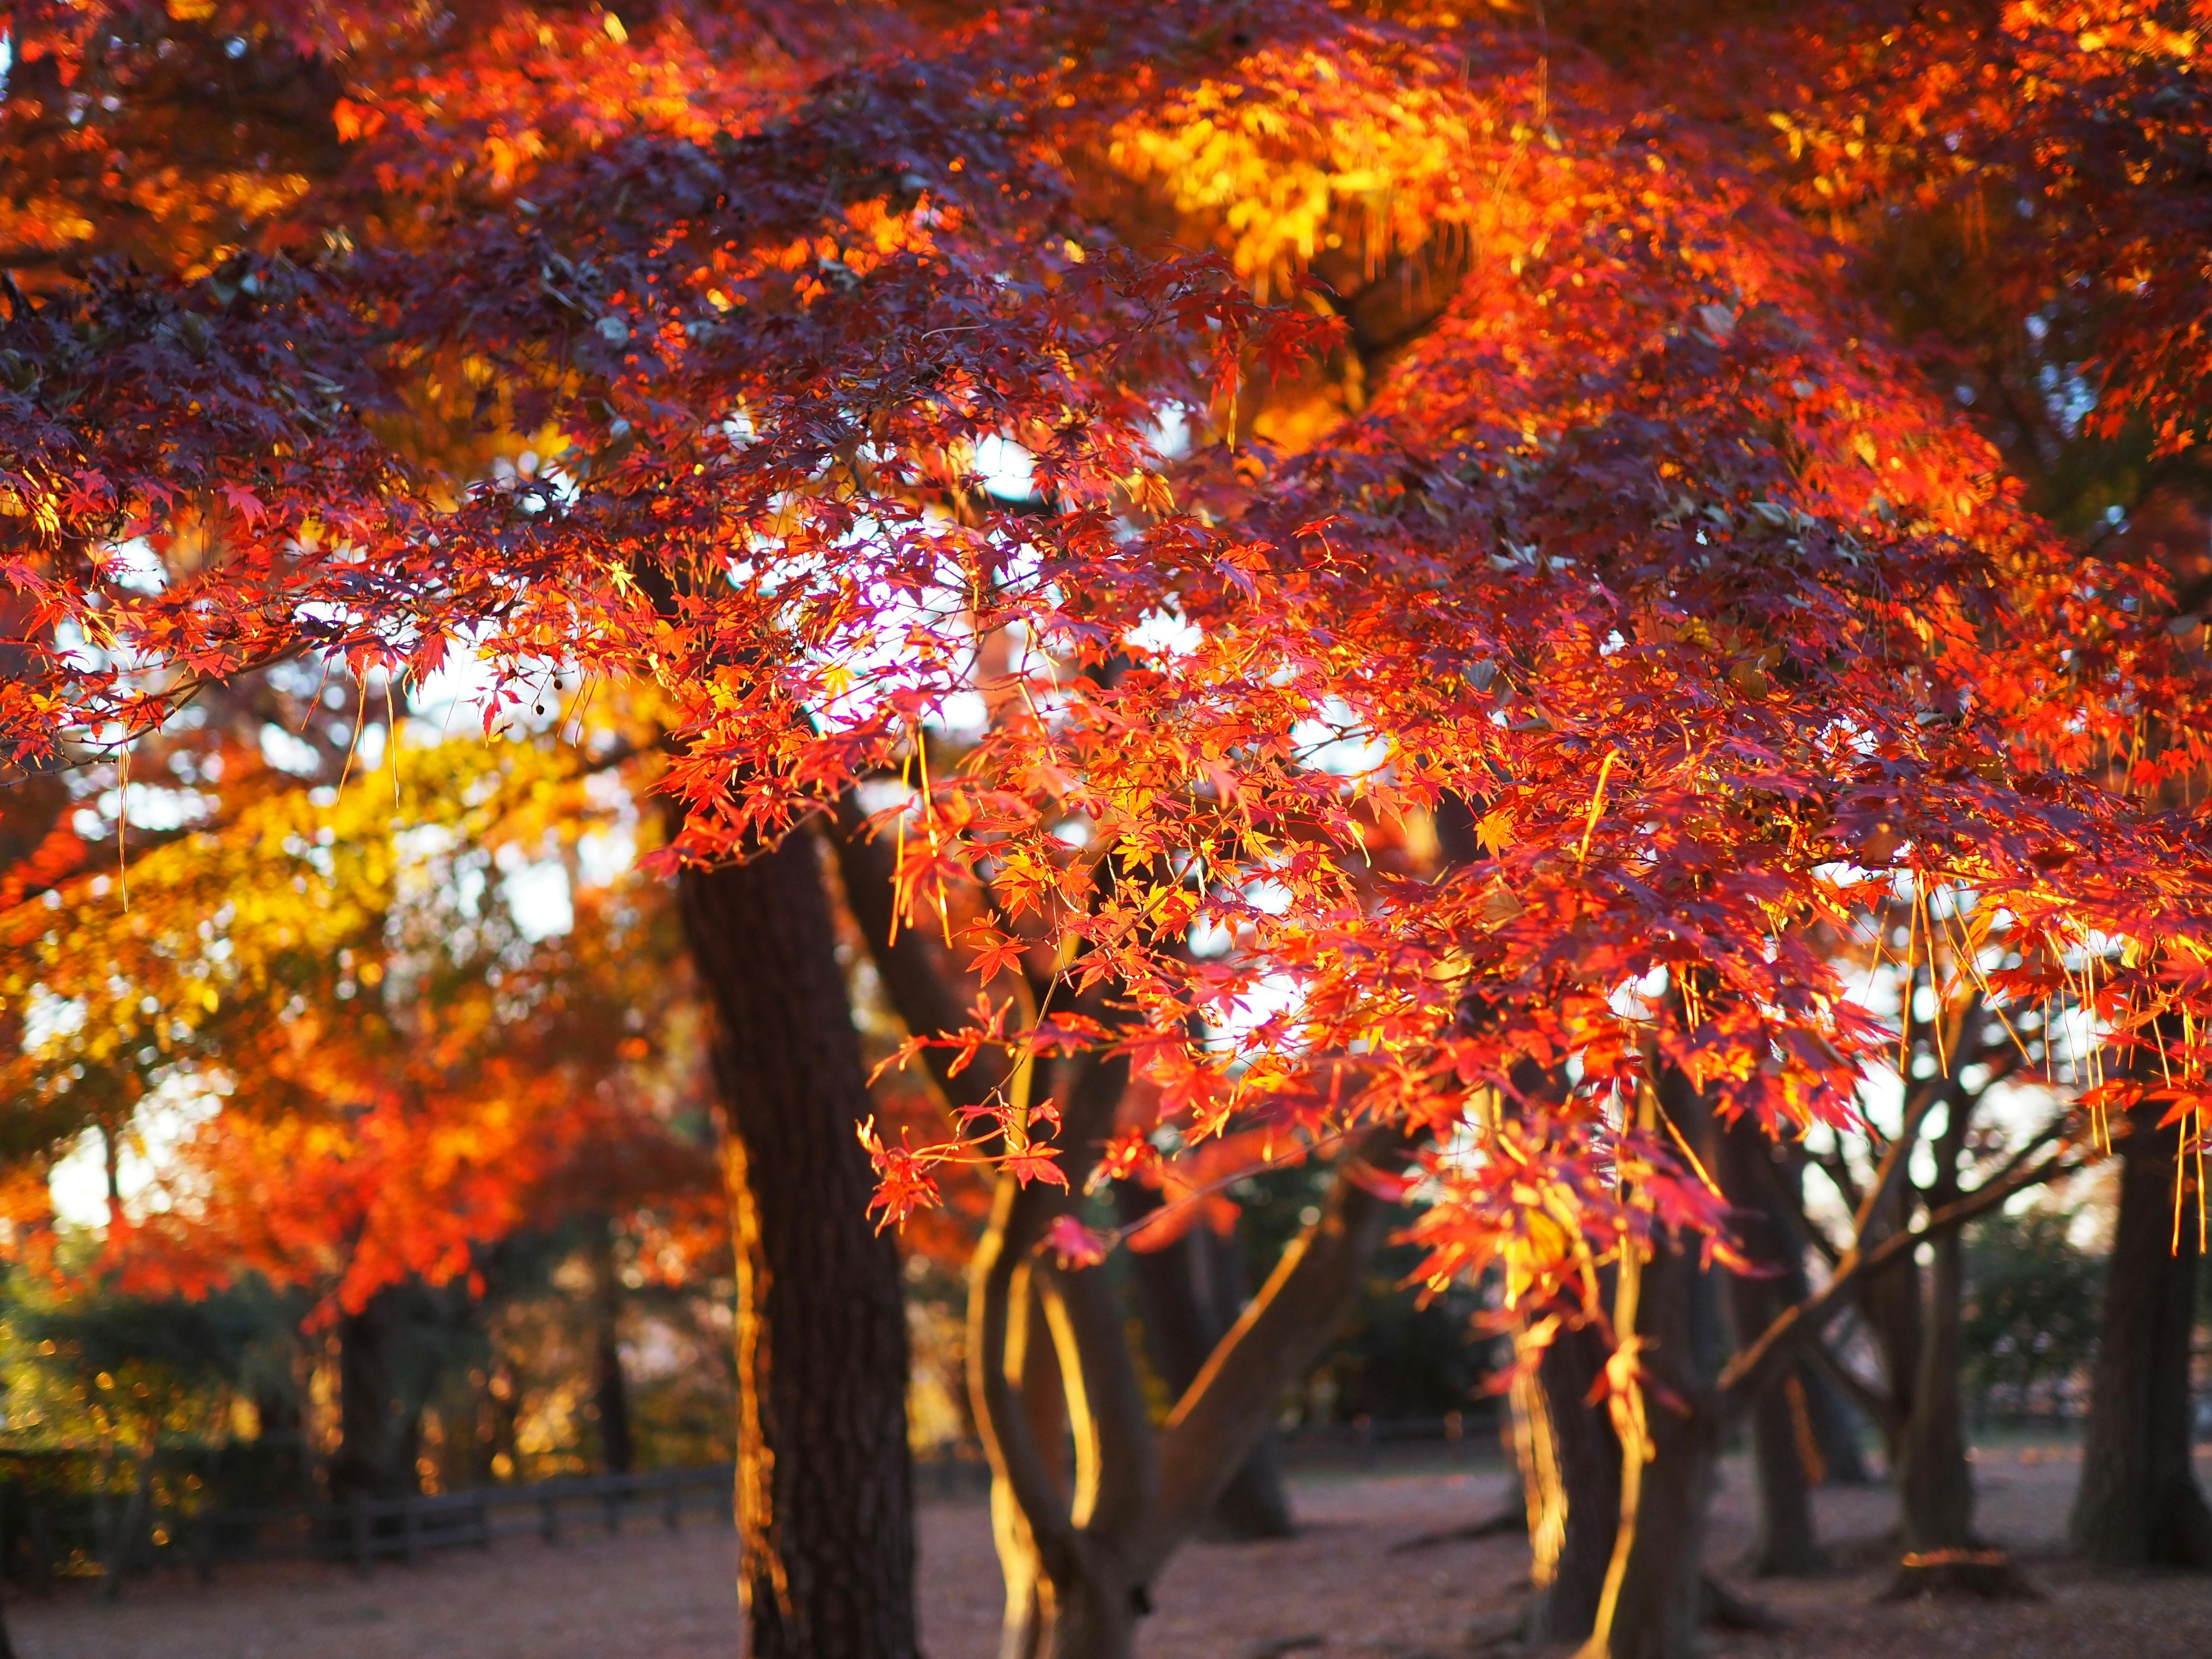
column 2031, row 1300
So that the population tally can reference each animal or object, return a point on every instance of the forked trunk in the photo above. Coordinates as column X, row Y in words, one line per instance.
column 824, row 1482
column 1569, row 1459
column 2139, row 1503
column 1087, row 1610
column 1190, row 1293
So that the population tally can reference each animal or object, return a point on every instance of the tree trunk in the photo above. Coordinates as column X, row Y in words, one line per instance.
column 610, row 1391
column 1935, row 1484
column 2139, row 1503
column 824, row 1479
column 1785, row 1452
column 1189, row 1295
column 379, row 1422
column 1034, row 1364
column 1569, row 1459
column 1895, row 1317
column 1655, row 1589
column 1835, row 1420
column 1785, row 1544
column 290, row 1480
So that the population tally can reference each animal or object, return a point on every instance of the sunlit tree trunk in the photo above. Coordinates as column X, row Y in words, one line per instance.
column 824, row 1482
column 2139, row 1503
column 1654, row 1599
column 1569, row 1463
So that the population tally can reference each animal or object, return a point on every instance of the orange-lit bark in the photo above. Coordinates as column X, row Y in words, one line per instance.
column 824, row 1485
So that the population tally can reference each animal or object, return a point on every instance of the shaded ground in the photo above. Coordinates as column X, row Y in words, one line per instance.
column 1337, row 1589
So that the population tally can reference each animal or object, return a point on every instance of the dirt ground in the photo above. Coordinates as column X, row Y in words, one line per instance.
column 1338, row 1589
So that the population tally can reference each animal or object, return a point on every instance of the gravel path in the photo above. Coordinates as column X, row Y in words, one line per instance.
column 1337, row 1589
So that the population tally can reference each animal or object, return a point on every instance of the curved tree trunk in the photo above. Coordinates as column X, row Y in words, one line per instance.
column 1569, row 1459
column 2139, row 1503
column 1190, row 1294
column 824, row 1479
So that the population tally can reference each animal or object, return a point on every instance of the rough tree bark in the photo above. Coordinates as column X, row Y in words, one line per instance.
column 1570, row 1464
column 824, row 1483
column 2139, row 1503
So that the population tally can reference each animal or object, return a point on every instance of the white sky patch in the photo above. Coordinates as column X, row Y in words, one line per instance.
column 537, row 897
column 158, row 807
column 1006, row 469
column 603, row 857
column 134, row 564
column 166, row 1119
column 1335, row 743
column 1163, row 634
column 288, row 753
column 1170, row 432
column 47, row 1017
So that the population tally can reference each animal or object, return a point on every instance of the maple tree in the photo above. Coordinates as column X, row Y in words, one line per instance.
column 1512, row 438
column 401, row 1079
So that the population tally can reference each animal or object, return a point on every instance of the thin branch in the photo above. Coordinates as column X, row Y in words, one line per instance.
column 1749, row 1372
column 1877, row 1405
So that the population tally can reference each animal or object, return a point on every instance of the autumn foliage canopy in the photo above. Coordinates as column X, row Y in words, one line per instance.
column 1668, row 563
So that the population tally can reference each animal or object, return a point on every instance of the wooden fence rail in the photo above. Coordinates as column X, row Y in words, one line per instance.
column 366, row 1529
column 45, row 1534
